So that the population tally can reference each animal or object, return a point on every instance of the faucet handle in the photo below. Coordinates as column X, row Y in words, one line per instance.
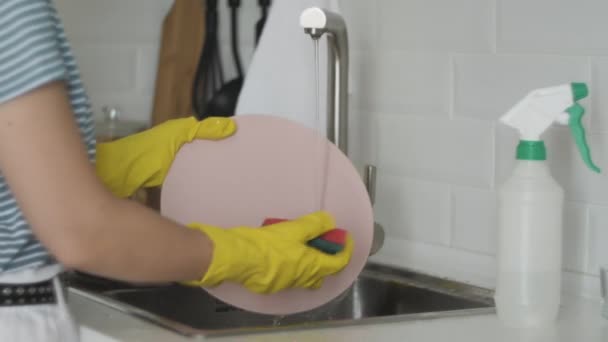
column 604, row 289
column 369, row 178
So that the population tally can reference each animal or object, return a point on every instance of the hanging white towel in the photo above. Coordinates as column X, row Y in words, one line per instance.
column 281, row 77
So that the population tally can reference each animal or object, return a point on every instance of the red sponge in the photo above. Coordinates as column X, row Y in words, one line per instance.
column 337, row 235
column 271, row 220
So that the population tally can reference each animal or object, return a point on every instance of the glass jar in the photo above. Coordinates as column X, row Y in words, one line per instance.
column 111, row 127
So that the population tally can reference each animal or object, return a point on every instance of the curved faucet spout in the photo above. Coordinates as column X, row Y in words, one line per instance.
column 317, row 22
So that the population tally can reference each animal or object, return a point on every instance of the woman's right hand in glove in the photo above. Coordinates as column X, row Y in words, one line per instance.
column 274, row 257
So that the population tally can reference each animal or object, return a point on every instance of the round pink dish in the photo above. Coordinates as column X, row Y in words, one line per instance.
column 270, row 168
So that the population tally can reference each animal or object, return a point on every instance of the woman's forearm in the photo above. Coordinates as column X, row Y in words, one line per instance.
column 130, row 242
column 43, row 159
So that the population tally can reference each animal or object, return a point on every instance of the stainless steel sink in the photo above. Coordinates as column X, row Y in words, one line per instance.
column 380, row 294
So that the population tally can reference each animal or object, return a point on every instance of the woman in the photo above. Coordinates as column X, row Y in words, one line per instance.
column 62, row 197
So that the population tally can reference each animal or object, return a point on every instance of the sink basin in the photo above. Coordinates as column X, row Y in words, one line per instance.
column 380, row 294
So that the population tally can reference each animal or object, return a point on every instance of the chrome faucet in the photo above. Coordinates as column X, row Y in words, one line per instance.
column 317, row 22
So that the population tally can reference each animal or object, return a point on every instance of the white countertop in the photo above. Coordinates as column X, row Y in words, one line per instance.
column 579, row 321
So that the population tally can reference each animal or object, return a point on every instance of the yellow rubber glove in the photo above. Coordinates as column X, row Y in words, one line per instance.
column 273, row 257
column 143, row 159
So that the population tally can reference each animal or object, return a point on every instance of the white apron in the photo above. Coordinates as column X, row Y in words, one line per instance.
column 34, row 323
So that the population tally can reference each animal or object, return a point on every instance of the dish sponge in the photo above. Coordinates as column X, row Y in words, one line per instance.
column 331, row 242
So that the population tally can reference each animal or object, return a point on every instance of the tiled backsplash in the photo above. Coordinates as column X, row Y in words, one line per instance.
column 429, row 80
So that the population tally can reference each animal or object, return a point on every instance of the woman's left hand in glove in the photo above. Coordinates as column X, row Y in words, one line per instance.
column 143, row 159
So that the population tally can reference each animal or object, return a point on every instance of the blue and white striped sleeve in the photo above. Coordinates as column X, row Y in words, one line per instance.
column 30, row 55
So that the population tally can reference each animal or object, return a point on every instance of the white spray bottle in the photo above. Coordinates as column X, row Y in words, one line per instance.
column 530, row 207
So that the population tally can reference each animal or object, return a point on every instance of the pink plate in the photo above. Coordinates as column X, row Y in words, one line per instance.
column 270, row 168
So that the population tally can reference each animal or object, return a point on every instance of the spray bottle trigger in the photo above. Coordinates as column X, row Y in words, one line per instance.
column 576, row 112
column 579, row 91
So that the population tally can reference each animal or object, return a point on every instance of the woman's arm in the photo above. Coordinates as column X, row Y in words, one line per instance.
column 43, row 159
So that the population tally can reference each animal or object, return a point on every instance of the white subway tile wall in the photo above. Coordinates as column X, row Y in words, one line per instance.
column 411, row 209
column 429, row 78
column 145, row 69
column 107, row 67
column 487, row 85
column 598, row 235
column 433, row 149
column 548, row 26
column 434, row 25
column 113, row 21
column 356, row 13
column 473, row 220
column 576, row 236
column 599, row 71
column 403, row 82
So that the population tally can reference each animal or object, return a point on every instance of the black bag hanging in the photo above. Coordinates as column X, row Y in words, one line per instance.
column 211, row 96
column 259, row 26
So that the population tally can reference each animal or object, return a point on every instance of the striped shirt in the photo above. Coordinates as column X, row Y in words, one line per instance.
column 34, row 51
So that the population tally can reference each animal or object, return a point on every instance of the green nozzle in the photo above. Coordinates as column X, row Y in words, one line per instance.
column 531, row 150
column 579, row 91
column 578, row 132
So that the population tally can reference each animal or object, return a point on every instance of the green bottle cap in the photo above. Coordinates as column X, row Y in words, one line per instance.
column 531, row 150
column 579, row 91
column 578, row 133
